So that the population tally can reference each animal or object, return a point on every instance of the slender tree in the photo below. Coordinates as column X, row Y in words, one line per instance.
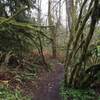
column 52, row 29
column 78, row 52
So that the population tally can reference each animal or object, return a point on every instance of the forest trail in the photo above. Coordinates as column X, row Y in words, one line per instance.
column 49, row 83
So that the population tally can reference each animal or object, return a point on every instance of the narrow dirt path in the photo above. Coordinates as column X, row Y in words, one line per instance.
column 48, row 84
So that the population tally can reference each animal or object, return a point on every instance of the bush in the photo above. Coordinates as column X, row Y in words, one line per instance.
column 77, row 94
column 7, row 94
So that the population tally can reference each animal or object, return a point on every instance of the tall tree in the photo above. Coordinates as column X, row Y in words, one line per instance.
column 78, row 51
column 52, row 29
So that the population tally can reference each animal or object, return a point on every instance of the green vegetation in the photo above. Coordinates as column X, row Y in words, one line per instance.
column 77, row 94
column 28, row 38
column 7, row 94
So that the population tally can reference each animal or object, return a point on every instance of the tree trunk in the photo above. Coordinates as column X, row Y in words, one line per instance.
column 75, row 64
column 52, row 30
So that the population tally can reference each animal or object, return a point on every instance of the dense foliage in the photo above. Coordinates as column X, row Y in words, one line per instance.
column 7, row 94
column 78, row 94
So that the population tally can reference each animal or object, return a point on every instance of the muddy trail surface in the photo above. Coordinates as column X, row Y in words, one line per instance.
column 48, row 84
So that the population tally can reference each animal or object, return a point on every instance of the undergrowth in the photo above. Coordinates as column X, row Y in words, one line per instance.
column 77, row 94
column 7, row 94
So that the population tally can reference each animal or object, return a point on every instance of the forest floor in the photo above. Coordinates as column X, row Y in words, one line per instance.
column 46, row 86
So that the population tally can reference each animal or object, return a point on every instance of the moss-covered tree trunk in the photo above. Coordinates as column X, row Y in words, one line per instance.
column 77, row 55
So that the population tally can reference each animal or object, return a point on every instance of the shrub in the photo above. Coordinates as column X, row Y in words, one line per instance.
column 7, row 94
column 77, row 94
